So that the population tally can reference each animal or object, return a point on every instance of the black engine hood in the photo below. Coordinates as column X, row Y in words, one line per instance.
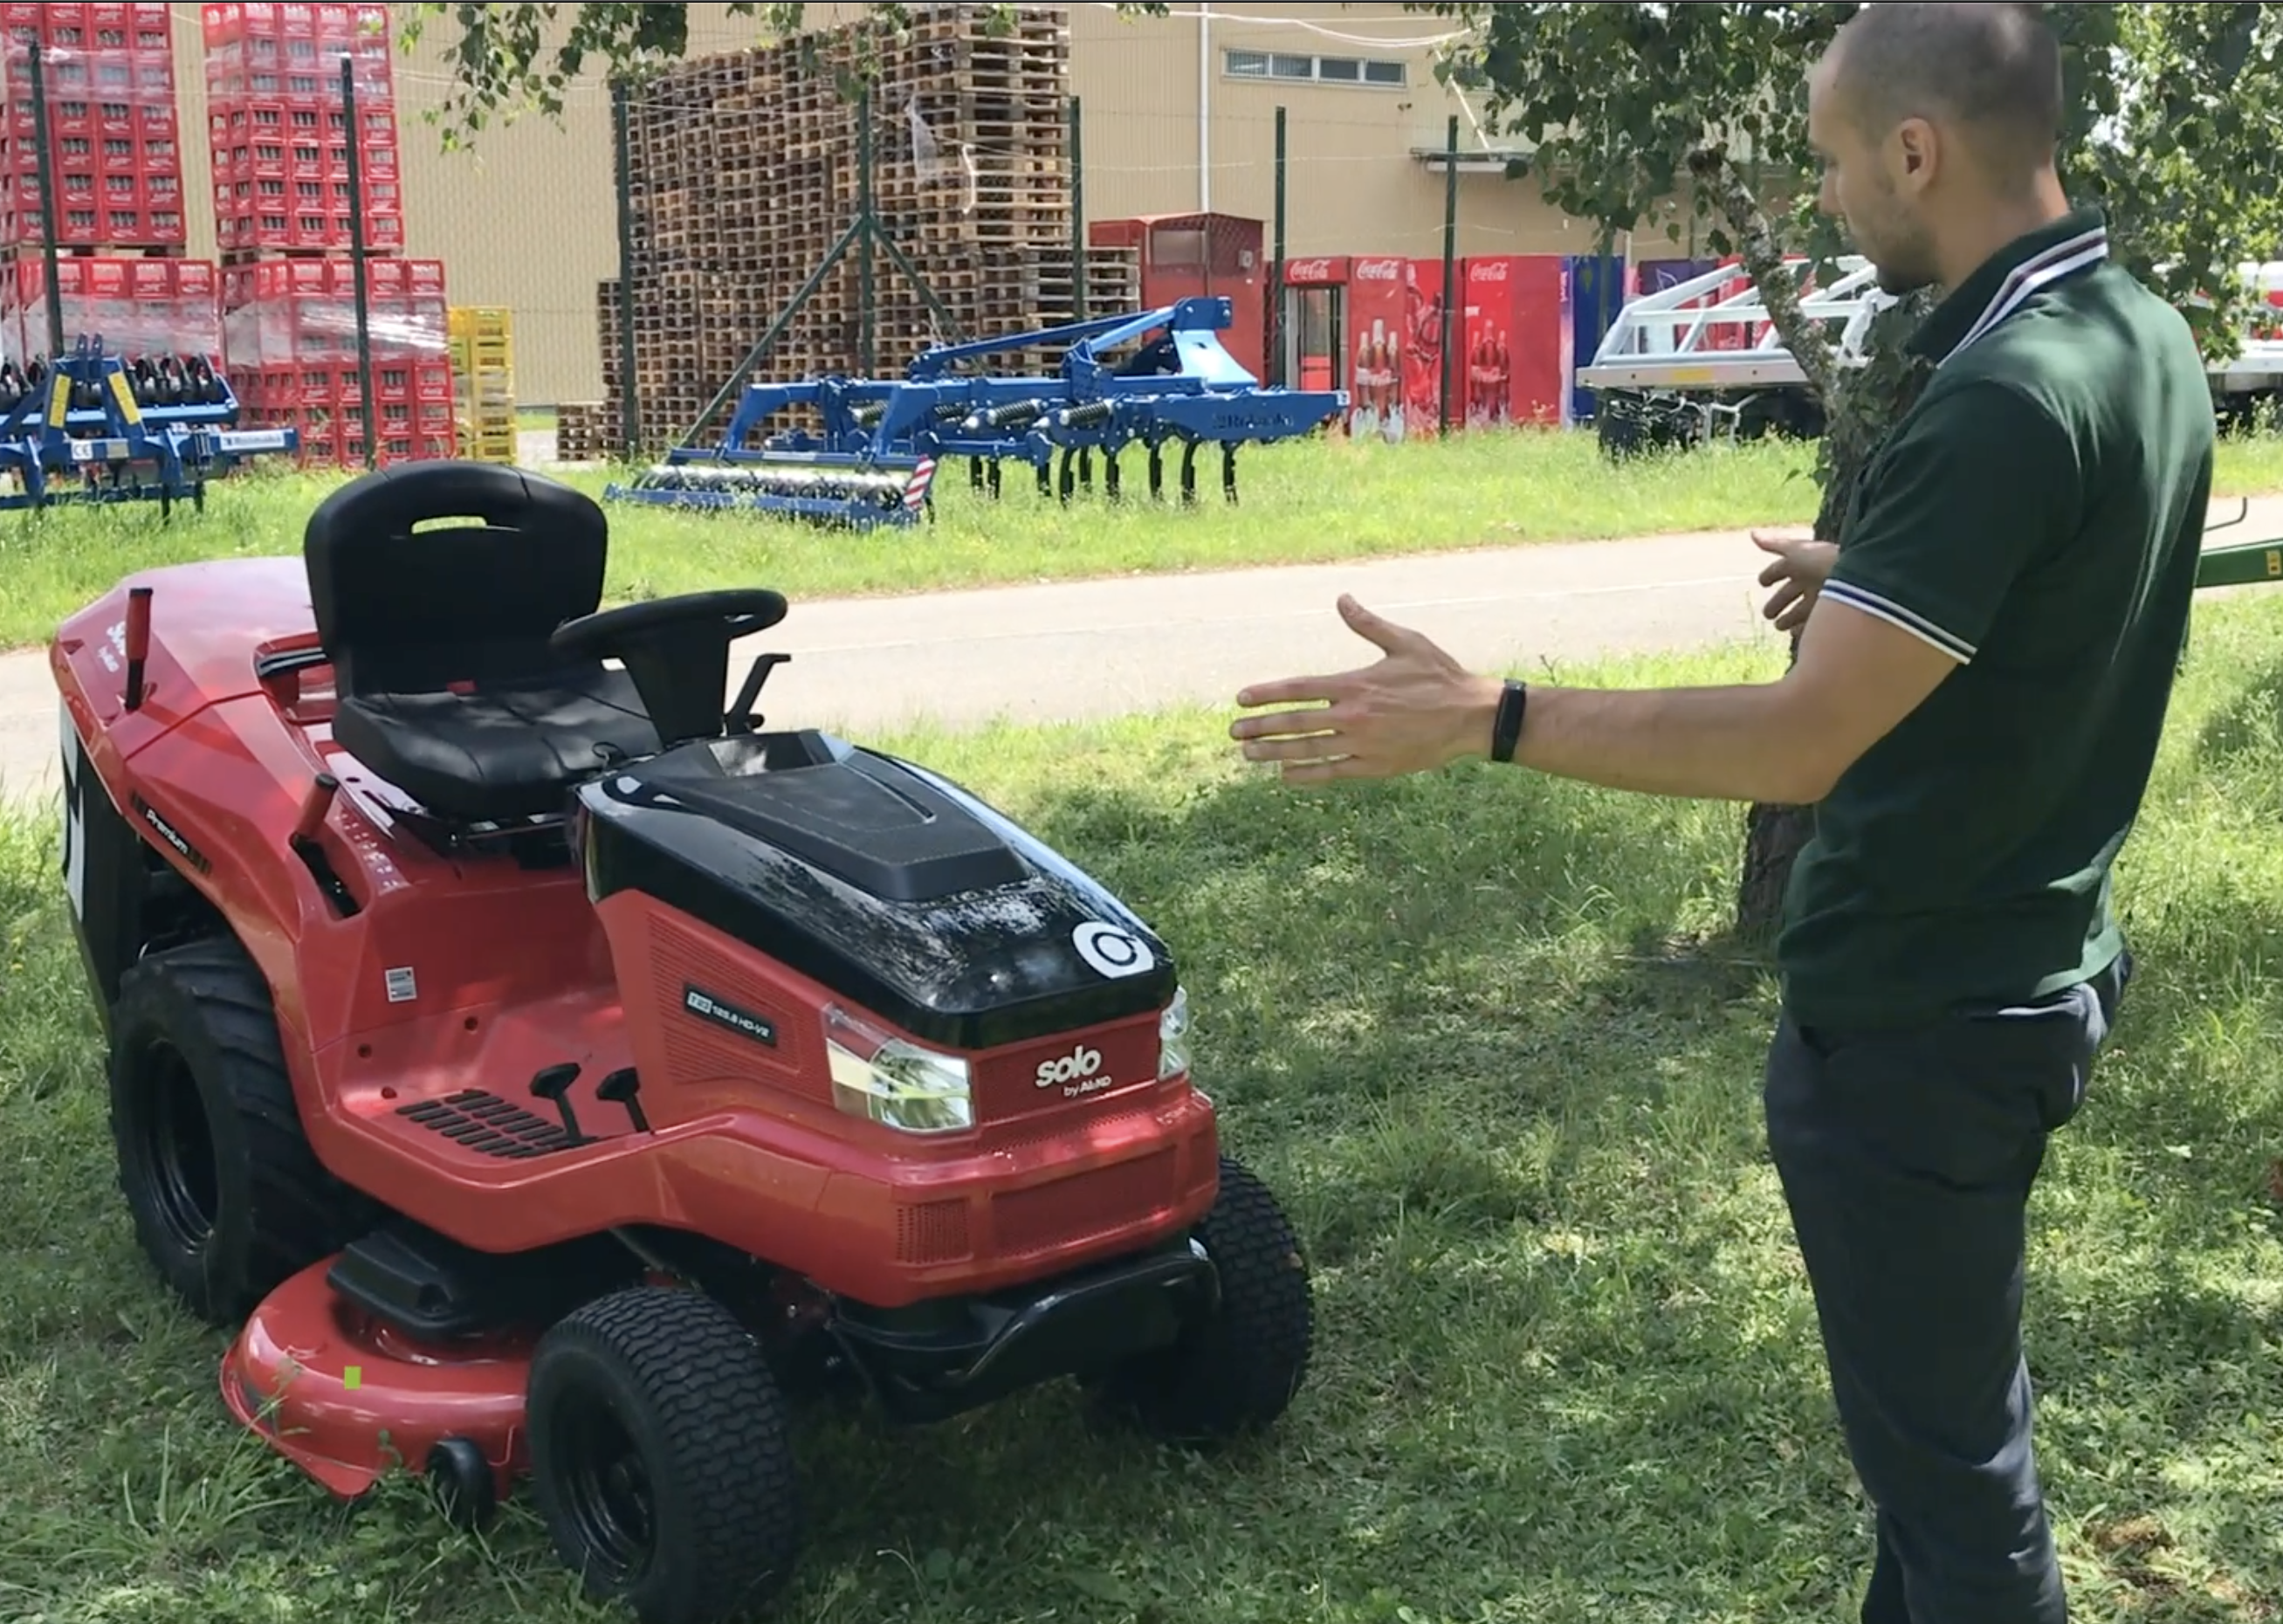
column 900, row 891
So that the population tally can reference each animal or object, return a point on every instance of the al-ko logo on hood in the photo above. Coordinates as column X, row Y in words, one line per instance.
column 1110, row 951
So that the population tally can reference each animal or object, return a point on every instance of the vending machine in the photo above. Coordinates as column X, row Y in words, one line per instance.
column 1516, row 362
column 1313, row 325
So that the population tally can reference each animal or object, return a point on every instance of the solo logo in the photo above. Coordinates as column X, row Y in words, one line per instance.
column 1083, row 1063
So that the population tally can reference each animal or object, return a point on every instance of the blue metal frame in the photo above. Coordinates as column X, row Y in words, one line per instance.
column 1183, row 388
column 43, row 435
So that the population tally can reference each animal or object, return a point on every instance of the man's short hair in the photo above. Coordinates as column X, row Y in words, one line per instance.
column 1996, row 69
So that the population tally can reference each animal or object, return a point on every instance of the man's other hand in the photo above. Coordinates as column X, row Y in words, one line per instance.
column 1802, row 566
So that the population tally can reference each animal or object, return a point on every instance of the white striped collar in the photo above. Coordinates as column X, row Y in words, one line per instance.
column 2041, row 269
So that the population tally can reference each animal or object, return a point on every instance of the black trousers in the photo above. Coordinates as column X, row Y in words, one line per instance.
column 1907, row 1158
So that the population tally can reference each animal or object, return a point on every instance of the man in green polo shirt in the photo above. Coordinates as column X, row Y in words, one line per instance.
column 1980, row 684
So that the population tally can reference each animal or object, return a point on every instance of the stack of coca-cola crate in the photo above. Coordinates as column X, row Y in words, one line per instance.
column 111, row 147
column 282, row 135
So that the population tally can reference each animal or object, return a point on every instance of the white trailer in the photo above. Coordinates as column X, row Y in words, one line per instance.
column 1701, row 359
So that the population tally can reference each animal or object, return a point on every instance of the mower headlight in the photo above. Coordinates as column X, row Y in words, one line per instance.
column 1173, row 1037
column 893, row 1082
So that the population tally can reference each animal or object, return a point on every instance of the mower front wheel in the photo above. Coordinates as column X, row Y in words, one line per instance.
column 1238, row 1370
column 227, row 1198
column 661, row 1457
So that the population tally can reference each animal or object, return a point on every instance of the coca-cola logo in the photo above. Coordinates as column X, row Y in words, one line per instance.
column 1491, row 270
column 1378, row 270
column 1307, row 270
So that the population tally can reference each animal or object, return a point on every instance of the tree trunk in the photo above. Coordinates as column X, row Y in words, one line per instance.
column 1859, row 407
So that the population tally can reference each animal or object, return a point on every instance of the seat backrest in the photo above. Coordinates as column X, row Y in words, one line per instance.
column 432, row 572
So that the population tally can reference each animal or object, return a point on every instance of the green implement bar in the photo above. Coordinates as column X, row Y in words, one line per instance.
column 2248, row 564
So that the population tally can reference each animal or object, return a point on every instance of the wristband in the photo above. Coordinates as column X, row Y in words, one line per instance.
column 1505, row 732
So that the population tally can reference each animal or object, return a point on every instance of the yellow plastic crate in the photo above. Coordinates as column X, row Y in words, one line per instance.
column 484, row 321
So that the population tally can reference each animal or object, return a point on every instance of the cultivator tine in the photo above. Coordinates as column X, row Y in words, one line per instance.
column 1157, row 472
column 1109, row 476
column 1228, row 470
column 1188, row 473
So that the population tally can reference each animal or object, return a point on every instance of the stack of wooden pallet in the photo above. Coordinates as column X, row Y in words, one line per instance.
column 745, row 173
column 585, row 432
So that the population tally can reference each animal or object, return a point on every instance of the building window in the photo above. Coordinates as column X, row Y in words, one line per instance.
column 1320, row 70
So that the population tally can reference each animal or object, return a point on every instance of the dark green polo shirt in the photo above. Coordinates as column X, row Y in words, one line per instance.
column 2036, row 516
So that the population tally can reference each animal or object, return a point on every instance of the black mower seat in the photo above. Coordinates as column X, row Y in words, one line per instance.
column 504, row 751
column 435, row 587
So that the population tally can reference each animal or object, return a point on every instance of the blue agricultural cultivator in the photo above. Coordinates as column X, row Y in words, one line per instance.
column 95, row 428
column 871, row 455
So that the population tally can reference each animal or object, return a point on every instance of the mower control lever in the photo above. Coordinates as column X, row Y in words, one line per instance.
column 741, row 717
column 553, row 1085
column 619, row 1088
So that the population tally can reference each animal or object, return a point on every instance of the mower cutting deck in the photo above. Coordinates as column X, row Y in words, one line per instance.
column 873, row 460
column 540, row 1064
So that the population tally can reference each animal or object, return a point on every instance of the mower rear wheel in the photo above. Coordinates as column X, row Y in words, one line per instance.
column 227, row 1198
column 661, row 1457
column 1238, row 1370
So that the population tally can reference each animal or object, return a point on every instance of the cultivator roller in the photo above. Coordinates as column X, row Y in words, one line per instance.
column 873, row 459
column 818, row 491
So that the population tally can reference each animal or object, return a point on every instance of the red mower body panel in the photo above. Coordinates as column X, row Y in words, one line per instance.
column 417, row 1022
column 541, row 1068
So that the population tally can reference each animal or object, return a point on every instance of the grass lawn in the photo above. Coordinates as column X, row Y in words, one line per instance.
column 1306, row 502
column 1568, row 1367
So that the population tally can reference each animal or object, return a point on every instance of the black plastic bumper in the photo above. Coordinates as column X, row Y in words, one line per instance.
column 936, row 1360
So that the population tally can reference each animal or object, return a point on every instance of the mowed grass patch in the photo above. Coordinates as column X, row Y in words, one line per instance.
column 1568, row 1366
column 1314, row 501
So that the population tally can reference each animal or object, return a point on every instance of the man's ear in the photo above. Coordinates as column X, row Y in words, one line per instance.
column 1920, row 147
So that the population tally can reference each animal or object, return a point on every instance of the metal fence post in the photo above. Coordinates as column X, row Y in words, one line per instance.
column 1450, row 263
column 358, row 269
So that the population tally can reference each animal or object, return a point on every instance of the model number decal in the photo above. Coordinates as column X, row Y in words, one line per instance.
column 745, row 1023
column 171, row 835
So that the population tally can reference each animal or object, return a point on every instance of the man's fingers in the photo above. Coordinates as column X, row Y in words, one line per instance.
column 1275, row 724
column 1295, row 691
column 1367, row 625
column 1775, row 571
column 1313, row 748
column 1782, row 598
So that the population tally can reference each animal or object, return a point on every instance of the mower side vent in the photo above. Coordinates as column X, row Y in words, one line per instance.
column 932, row 1232
column 483, row 1121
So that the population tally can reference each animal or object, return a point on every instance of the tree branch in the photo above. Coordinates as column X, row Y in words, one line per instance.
column 1764, row 259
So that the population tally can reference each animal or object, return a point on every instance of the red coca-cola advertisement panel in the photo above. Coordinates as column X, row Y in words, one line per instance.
column 1516, row 362
column 1395, row 314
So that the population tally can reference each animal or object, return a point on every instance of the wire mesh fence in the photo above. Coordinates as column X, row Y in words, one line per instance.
column 1009, row 173
column 194, row 166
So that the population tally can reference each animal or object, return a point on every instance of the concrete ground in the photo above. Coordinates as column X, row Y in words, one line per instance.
column 1070, row 650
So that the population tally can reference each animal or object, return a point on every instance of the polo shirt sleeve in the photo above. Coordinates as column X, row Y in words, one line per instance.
column 1973, row 487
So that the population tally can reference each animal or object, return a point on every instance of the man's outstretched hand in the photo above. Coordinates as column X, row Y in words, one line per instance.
column 1803, row 564
column 1414, row 710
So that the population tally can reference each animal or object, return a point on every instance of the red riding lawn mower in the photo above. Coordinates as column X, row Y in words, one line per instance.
column 545, row 1066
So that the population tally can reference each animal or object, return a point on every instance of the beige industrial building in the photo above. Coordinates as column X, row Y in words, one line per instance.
column 1178, row 114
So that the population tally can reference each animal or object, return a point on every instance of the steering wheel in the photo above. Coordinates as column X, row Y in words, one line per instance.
column 737, row 613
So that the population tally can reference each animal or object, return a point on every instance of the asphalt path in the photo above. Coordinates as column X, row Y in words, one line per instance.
column 1081, row 650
